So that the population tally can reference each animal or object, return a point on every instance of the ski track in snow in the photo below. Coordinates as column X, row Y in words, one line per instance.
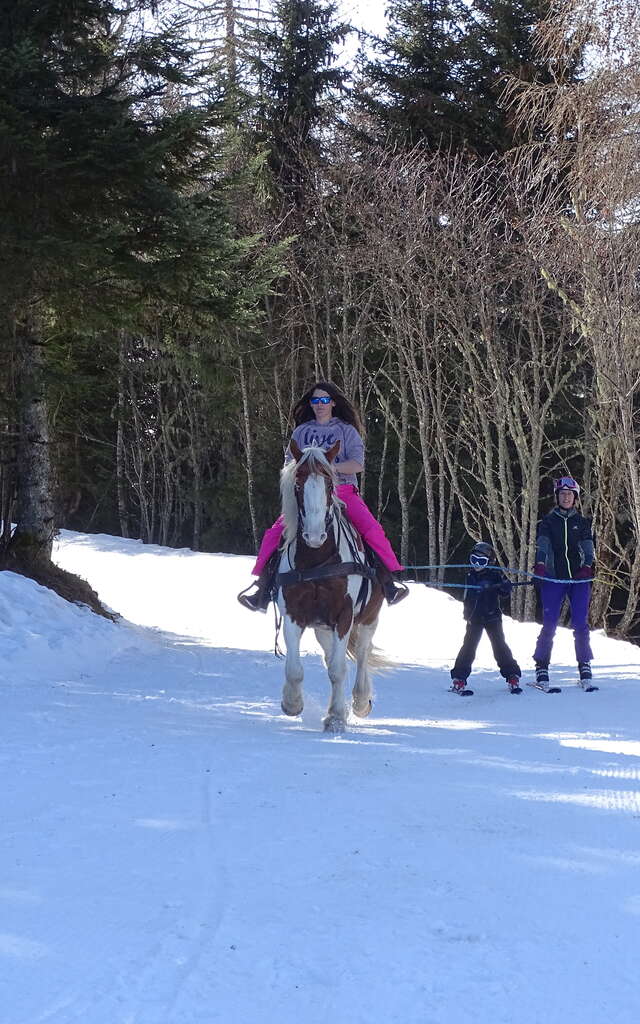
column 176, row 851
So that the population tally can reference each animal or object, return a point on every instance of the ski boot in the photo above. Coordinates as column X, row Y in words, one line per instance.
column 542, row 674
column 513, row 682
column 542, row 679
column 585, row 677
column 459, row 686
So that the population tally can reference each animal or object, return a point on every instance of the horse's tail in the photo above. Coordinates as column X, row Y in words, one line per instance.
column 376, row 660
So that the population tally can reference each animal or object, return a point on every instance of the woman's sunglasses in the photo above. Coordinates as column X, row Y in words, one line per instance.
column 479, row 561
column 320, row 400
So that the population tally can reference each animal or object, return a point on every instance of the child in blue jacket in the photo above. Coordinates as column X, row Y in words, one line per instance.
column 486, row 584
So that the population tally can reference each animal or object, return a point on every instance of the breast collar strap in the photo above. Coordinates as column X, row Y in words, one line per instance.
column 327, row 569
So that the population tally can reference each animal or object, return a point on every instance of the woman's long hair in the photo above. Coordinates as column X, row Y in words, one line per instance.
column 344, row 410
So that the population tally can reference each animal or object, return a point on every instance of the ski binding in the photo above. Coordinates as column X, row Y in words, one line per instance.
column 461, row 693
column 587, row 685
column 545, row 688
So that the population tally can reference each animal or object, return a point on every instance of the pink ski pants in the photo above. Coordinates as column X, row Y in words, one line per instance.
column 368, row 527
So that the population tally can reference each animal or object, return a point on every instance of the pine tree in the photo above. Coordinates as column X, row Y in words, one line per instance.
column 298, row 83
column 443, row 69
column 500, row 43
column 295, row 66
column 106, row 202
column 415, row 91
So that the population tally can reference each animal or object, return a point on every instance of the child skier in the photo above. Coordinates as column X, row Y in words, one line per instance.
column 482, row 612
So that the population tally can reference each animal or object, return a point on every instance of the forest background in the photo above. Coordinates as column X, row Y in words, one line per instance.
column 207, row 204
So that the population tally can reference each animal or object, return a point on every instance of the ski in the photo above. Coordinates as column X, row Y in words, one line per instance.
column 545, row 689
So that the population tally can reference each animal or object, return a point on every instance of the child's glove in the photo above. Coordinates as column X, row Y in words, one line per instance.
column 585, row 572
column 539, row 570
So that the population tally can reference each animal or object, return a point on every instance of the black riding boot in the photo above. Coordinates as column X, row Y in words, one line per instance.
column 259, row 600
column 394, row 592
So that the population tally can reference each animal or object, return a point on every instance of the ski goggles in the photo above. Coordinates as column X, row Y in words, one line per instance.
column 320, row 400
column 566, row 483
column 479, row 561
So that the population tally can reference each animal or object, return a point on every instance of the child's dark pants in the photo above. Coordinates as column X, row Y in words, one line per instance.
column 506, row 662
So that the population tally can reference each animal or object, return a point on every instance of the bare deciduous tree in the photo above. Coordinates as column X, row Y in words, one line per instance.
column 585, row 146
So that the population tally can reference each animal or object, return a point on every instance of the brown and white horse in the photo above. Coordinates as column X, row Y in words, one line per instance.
column 316, row 588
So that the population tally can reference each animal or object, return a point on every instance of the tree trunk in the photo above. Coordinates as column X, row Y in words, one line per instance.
column 248, row 447
column 32, row 541
column 383, row 466
column 121, row 477
column 402, row 461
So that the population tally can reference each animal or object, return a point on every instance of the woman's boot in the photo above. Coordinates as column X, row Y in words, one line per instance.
column 259, row 600
column 393, row 591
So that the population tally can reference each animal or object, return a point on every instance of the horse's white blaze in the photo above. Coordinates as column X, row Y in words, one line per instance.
column 314, row 529
column 319, row 464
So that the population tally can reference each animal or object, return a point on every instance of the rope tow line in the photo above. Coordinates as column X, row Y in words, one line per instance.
column 534, row 578
column 473, row 586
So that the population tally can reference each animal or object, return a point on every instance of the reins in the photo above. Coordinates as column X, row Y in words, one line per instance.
column 277, row 650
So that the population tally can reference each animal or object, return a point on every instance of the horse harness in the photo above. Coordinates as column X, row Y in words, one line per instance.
column 328, row 570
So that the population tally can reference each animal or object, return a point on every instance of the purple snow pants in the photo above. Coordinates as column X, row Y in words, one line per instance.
column 552, row 596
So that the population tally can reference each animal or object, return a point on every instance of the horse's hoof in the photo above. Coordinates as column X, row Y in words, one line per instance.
column 292, row 712
column 362, row 712
column 334, row 725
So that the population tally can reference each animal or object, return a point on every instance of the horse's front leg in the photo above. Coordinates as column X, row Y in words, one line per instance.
column 362, row 690
column 336, row 717
column 292, row 702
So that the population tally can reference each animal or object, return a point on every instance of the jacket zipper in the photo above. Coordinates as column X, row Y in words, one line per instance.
column 566, row 549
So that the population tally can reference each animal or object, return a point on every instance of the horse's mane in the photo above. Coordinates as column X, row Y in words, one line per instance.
column 318, row 463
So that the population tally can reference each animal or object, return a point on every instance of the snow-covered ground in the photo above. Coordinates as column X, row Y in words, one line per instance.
column 175, row 851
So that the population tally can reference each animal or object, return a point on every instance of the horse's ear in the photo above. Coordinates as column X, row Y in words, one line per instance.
column 332, row 451
column 295, row 450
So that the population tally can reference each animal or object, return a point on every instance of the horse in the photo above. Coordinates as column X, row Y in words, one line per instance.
column 320, row 577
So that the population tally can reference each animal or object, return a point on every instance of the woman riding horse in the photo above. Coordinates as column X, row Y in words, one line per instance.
column 323, row 416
